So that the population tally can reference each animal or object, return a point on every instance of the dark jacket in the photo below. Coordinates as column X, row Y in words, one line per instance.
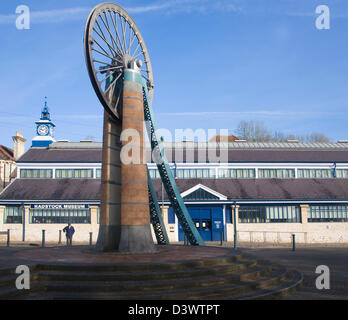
column 69, row 231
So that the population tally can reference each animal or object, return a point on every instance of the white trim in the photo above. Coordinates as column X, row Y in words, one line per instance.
column 201, row 186
column 51, row 165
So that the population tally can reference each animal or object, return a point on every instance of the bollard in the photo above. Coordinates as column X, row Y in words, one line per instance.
column 43, row 239
column 60, row 237
column 8, row 237
column 221, row 237
column 90, row 238
column 293, row 243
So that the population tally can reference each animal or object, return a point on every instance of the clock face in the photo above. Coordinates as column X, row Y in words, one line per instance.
column 42, row 130
column 51, row 131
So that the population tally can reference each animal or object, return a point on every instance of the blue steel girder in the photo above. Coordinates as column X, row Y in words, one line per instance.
column 156, row 215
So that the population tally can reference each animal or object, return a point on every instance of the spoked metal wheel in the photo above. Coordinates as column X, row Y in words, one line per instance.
column 112, row 43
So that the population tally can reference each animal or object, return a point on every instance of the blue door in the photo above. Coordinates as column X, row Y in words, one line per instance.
column 208, row 221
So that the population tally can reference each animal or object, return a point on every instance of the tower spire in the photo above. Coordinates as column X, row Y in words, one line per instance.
column 45, row 115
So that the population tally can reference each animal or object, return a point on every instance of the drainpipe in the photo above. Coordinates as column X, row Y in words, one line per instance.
column 235, row 225
column 334, row 170
column 23, row 222
column 175, row 167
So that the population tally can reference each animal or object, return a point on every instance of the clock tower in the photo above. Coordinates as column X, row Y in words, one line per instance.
column 44, row 129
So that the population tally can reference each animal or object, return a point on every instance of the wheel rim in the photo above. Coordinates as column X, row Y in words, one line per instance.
column 112, row 41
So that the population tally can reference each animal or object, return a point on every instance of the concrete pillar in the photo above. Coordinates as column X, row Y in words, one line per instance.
column 235, row 211
column 135, row 215
column 2, row 212
column 94, row 220
column 25, row 222
column 110, row 203
column 304, row 213
column 304, row 220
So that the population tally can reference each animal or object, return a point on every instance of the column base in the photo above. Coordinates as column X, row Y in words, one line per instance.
column 108, row 238
column 136, row 239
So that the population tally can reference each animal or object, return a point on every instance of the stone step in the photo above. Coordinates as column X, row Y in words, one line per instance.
column 236, row 288
column 7, row 281
column 75, row 276
column 292, row 281
column 154, row 284
column 177, row 265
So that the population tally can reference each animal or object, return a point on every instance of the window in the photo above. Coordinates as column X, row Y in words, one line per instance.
column 13, row 215
column 276, row 173
column 98, row 173
column 74, row 173
column 60, row 216
column 195, row 173
column 341, row 173
column 315, row 173
column 236, row 173
column 329, row 213
column 269, row 214
column 36, row 173
column 154, row 173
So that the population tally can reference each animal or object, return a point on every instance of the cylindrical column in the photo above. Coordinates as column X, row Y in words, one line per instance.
column 8, row 237
column 110, row 204
column 135, row 216
column 293, row 242
column 43, row 239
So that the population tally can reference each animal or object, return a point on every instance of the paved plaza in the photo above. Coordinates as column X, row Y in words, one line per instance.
column 304, row 260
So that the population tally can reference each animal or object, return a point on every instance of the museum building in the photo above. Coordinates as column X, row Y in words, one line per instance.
column 265, row 192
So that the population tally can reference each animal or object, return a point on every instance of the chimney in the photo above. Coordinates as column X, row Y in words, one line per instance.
column 19, row 143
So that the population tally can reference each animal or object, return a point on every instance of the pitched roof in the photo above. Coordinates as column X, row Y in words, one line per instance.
column 61, row 155
column 192, row 155
column 268, row 189
column 6, row 153
column 52, row 189
column 233, row 189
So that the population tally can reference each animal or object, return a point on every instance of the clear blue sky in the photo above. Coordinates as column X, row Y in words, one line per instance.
column 215, row 63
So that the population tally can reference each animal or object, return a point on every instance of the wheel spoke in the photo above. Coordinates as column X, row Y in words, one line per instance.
column 142, row 52
column 108, row 29
column 101, row 30
column 112, row 82
column 123, row 31
column 108, row 69
column 103, row 62
column 130, row 36
column 101, row 81
column 100, row 46
column 110, row 47
column 106, row 55
column 115, row 26
column 136, row 49
column 103, row 37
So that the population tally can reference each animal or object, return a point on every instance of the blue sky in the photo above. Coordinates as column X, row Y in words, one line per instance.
column 215, row 63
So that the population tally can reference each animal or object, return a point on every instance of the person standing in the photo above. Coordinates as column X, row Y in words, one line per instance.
column 69, row 232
